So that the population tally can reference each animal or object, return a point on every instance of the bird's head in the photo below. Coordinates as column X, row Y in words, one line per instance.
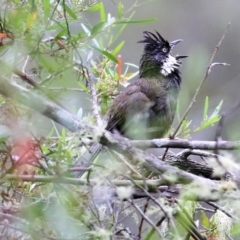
column 157, row 51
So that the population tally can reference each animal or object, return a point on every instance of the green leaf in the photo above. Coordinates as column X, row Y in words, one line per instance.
column 184, row 129
column 99, row 7
column 107, row 54
column 94, row 8
column 60, row 147
column 204, row 220
column 69, row 11
column 186, row 132
column 57, row 26
column 63, row 136
column 44, row 62
column 137, row 21
column 235, row 230
column 120, row 10
column 61, row 33
column 208, row 123
column 46, row 9
column 82, row 86
column 118, row 48
column 102, row 13
column 44, row 149
column 205, row 111
column 217, row 109
column 4, row 139
column 97, row 28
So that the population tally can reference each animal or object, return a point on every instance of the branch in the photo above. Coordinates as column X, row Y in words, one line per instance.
column 73, row 181
column 157, row 188
column 93, row 91
column 180, row 143
column 146, row 218
column 39, row 103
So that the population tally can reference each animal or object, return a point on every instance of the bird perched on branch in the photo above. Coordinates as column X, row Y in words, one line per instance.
column 145, row 109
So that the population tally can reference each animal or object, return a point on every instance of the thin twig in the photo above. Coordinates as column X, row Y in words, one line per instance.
column 73, row 181
column 26, row 78
column 66, row 20
column 155, row 201
column 124, row 161
column 73, row 169
column 65, row 89
column 181, row 143
column 93, row 90
column 216, row 206
column 142, row 219
column 146, row 218
column 210, row 65
column 205, row 209
column 187, row 152
column 158, row 224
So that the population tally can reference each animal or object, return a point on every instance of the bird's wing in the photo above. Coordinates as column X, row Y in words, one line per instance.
column 130, row 101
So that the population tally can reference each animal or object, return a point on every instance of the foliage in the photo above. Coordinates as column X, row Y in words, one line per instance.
column 51, row 42
column 185, row 130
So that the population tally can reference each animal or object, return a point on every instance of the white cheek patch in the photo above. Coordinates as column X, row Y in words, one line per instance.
column 169, row 65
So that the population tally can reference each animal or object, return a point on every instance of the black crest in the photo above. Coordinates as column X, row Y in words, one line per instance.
column 154, row 42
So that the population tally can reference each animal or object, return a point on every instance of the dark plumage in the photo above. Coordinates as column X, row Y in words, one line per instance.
column 145, row 108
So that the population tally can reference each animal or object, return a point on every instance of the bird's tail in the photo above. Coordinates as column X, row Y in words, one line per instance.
column 87, row 159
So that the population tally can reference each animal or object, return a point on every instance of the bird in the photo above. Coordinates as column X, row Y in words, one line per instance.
column 145, row 109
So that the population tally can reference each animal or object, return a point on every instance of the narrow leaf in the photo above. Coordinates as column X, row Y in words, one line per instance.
column 63, row 138
column 69, row 11
column 137, row 21
column 102, row 13
column 120, row 10
column 205, row 111
column 107, row 54
column 204, row 220
column 118, row 48
column 97, row 28
column 217, row 109
column 94, row 8
column 208, row 123
column 46, row 9
column 61, row 33
column 82, row 86
column 57, row 26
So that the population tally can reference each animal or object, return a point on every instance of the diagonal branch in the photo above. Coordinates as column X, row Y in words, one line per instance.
column 39, row 103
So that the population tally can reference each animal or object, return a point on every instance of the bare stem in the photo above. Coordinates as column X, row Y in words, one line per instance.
column 93, row 91
column 210, row 65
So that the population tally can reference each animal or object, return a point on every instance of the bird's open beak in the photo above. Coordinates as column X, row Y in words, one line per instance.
column 173, row 43
column 178, row 57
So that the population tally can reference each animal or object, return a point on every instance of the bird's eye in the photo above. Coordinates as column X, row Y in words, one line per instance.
column 164, row 50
